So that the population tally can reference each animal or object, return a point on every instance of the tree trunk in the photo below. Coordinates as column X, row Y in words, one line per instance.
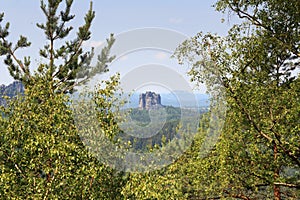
column 276, row 175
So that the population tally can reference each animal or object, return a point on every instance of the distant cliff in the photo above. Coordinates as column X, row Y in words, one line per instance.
column 10, row 90
column 149, row 100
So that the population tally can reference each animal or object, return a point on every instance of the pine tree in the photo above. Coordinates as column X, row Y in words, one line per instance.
column 67, row 63
column 41, row 153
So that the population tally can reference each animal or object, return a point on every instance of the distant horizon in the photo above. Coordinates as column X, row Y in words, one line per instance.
column 143, row 91
column 168, row 92
column 180, row 99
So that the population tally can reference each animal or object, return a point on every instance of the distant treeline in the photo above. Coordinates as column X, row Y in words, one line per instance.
column 152, row 128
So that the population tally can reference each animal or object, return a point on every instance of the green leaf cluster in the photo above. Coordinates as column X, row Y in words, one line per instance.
column 42, row 155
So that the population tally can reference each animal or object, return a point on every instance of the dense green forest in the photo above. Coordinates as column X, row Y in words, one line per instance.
column 164, row 121
column 252, row 70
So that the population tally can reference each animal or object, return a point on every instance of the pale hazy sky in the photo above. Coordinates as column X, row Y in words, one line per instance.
column 184, row 18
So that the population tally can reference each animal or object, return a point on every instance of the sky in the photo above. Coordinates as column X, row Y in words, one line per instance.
column 147, row 33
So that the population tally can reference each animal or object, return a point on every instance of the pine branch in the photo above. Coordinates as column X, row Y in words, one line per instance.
column 289, row 185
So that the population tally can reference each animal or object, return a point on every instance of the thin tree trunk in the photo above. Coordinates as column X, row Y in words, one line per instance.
column 276, row 175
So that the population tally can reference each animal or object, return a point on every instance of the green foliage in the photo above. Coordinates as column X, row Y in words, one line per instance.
column 256, row 156
column 151, row 127
column 185, row 178
column 154, row 185
column 42, row 155
column 41, row 151
column 141, row 116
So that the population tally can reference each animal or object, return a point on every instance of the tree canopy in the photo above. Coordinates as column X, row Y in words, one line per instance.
column 42, row 154
column 255, row 66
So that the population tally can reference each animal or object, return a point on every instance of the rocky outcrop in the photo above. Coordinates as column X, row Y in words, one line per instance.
column 10, row 90
column 149, row 100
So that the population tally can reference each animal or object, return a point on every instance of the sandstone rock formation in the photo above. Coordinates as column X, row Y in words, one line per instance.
column 149, row 100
